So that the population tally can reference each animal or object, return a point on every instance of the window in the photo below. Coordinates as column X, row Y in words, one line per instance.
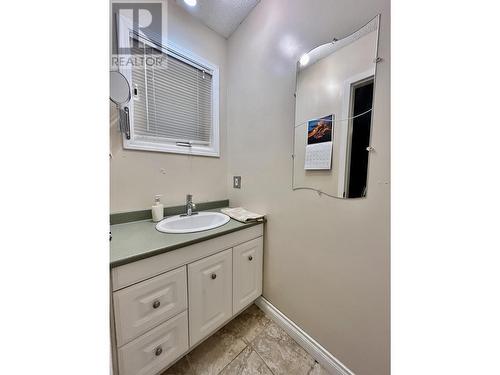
column 175, row 106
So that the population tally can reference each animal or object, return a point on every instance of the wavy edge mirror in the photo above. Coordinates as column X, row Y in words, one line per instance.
column 339, row 118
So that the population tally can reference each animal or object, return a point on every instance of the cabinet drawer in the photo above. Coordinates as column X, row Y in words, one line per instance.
column 247, row 273
column 155, row 350
column 210, row 294
column 143, row 306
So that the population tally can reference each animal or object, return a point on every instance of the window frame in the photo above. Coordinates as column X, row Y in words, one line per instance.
column 213, row 148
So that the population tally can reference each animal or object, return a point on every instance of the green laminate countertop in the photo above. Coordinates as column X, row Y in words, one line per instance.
column 140, row 239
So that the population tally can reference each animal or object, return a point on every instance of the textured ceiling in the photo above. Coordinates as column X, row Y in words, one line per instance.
column 222, row 16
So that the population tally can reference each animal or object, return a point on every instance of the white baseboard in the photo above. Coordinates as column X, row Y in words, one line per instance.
column 320, row 354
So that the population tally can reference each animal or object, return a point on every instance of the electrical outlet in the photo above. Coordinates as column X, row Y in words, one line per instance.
column 237, row 182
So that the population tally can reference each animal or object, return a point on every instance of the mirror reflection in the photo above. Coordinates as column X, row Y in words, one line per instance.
column 333, row 115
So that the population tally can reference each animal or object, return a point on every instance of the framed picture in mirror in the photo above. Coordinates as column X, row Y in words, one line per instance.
column 319, row 143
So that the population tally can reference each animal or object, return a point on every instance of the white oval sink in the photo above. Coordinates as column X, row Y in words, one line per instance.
column 194, row 223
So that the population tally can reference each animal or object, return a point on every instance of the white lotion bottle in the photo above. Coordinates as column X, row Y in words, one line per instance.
column 157, row 209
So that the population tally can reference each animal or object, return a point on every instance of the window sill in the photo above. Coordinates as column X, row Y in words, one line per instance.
column 171, row 148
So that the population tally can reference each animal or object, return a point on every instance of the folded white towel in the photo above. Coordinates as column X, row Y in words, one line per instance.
column 240, row 214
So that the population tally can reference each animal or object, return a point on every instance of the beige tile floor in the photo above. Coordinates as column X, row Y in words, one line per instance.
column 250, row 344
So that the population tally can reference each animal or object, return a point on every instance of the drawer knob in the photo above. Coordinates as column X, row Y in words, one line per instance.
column 156, row 304
column 213, row 276
column 250, row 257
column 158, row 351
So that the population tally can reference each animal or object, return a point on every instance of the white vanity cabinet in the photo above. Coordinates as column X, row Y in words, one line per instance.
column 247, row 273
column 210, row 294
column 164, row 305
column 143, row 306
column 156, row 349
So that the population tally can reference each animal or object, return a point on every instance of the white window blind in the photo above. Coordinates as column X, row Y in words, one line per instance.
column 175, row 104
column 172, row 103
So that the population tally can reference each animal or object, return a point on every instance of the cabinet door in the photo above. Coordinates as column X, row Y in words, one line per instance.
column 143, row 306
column 210, row 294
column 247, row 273
column 152, row 352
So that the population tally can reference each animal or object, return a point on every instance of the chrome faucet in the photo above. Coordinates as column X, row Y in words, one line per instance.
column 190, row 206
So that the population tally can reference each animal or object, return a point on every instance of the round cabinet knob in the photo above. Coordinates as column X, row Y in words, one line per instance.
column 158, row 351
column 250, row 257
column 213, row 276
column 156, row 304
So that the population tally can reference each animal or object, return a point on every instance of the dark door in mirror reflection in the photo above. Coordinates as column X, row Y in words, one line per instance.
column 362, row 100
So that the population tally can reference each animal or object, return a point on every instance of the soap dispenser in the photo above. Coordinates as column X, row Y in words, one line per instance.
column 157, row 209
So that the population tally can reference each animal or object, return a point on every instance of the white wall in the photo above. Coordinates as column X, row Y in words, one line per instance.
column 326, row 262
column 136, row 176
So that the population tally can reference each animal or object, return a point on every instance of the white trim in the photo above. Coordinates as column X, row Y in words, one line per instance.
column 140, row 143
column 135, row 144
column 344, row 150
column 320, row 354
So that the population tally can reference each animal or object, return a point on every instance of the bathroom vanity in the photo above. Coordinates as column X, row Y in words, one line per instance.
column 169, row 292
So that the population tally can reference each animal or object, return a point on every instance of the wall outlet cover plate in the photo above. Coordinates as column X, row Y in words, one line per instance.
column 237, row 182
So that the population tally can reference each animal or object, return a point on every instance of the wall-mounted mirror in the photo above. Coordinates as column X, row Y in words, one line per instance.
column 119, row 89
column 333, row 115
column 119, row 93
